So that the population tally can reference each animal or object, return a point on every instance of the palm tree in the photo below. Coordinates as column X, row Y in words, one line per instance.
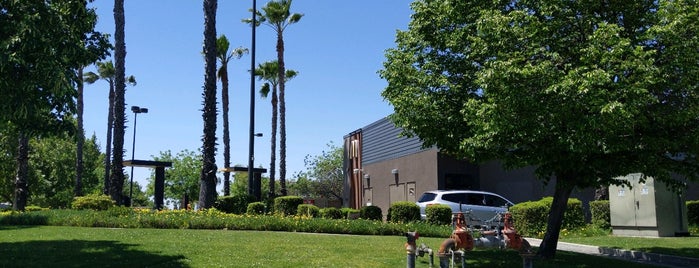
column 207, row 179
column 268, row 71
column 105, row 71
column 78, row 190
column 116, row 183
column 277, row 15
column 224, row 57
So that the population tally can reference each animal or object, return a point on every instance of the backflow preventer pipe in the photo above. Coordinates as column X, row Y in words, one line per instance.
column 413, row 252
column 453, row 249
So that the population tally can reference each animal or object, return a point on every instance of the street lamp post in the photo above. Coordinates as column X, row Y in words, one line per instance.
column 136, row 110
column 251, row 144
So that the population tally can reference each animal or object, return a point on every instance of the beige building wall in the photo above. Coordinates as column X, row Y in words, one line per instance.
column 415, row 174
column 520, row 185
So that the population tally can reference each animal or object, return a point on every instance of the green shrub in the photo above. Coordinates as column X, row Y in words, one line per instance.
column 236, row 204
column 94, row 202
column 404, row 212
column 349, row 213
column 371, row 213
column 287, row 205
column 600, row 214
column 531, row 217
column 256, row 208
column 34, row 208
column 438, row 214
column 308, row 210
column 214, row 219
column 331, row 213
column 693, row 212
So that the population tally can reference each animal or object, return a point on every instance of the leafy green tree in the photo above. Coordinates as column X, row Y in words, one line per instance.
column 301, row 185
column 207, row 189
column 268, row 72
column 224, row 57
column 53, row 169
column 106, row 72
column 140, row 197
column 324, row 173
column 42, row 46
column 8, row 163
column 182, row 179
column 584, row 91
column 240, row 184
column 278, row 16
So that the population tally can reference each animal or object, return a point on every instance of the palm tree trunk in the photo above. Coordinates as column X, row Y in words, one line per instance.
column 273, row 139
column 117, row 176
column 564, row 187
column 21, row 189
column 110, row 130
column 226, row 134
column 282, row 114
column 78, row 191
column 207, row 180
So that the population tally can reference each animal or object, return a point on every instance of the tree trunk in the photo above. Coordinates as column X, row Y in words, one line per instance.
column 78, row 191
column 226, row 134
column 564, row 187
column 21, row 188
column 207, row 180
column 273, row 141
column 110, row 130
column 117, row 177
column 282, row 113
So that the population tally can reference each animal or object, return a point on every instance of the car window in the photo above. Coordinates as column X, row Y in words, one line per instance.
column 494, row 201
column 455, row 198
column 426, row 197
column 475, row 199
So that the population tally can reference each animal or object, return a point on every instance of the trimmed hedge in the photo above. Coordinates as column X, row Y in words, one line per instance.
column 308, row 210
column 438, row 214
column 600, row 214
column 94, row 202
column 287, row 205
column 404, row 211
column 349, row 213
column 693, row 212
column 371, row 213
column 331, row 213
column 255, row 208
column 531, row 217
column 236, row 204
column 213, row 219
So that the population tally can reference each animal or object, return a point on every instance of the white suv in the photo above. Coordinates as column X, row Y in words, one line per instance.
column 482, row 206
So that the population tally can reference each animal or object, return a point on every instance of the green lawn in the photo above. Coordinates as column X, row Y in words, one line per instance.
column 56, row 246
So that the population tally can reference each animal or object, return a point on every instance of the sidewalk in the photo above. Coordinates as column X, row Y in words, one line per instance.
column 629, row 255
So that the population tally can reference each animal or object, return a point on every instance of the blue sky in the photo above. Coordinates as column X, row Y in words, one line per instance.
column 337, row 48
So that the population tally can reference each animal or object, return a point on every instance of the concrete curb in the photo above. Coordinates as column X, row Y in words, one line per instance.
column 630, row 255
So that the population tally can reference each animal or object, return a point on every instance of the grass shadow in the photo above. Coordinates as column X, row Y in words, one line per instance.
column 82, row 253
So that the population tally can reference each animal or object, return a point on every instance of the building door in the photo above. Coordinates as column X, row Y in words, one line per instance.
column 396, row 193
column 402, row 192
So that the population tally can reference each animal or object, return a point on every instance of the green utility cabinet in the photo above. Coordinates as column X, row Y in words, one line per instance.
column 648, row 208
